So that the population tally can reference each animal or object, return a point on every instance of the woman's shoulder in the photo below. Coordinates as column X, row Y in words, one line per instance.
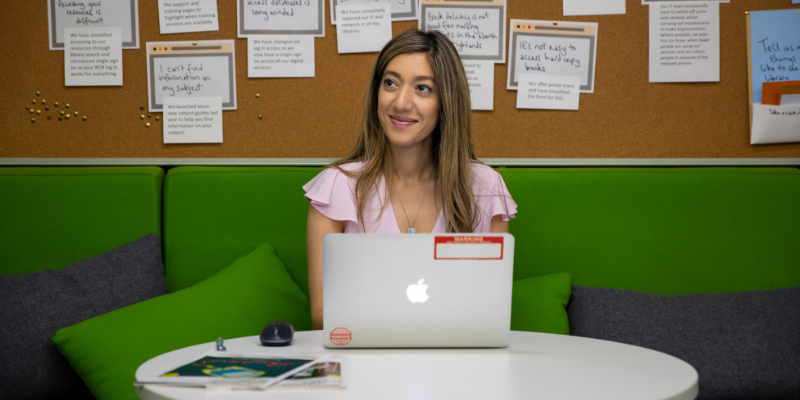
column 484, row 178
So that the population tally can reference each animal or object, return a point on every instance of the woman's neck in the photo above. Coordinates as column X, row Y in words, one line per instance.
column 413, row 163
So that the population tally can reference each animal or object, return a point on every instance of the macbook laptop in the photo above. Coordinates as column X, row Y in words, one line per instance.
column 425, row 290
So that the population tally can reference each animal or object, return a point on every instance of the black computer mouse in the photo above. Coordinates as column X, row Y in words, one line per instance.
column 277, row 333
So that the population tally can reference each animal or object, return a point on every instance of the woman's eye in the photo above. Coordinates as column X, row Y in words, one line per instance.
column 424, row 88
column 388, row 82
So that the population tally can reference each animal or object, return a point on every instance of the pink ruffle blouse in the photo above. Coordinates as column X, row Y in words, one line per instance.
column 332, row 193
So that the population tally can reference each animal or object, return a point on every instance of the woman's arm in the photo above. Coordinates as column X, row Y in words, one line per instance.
column 317, row 227
column 498, row 225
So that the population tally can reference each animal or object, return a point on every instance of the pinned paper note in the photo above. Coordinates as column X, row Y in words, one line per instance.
column 402, row 10
column 771, row 92
column 774, row 47
column 550, row 92
column 280, row 56
column 192, row 120
column 93, row 14
column 476, row 28
column 191, row 69
column 93, row 56
column 684, row 42
column 593, row 7
column 480, row 76
column 790, row 95
column 363, row 27
column 775, row 124
column 553, row 48
column 280, row 17
column 179, row 16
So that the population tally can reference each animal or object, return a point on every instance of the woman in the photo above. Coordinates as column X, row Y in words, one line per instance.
column 413, row 166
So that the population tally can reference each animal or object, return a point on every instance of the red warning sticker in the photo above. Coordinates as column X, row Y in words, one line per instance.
column 468, row 248
column 340, row 336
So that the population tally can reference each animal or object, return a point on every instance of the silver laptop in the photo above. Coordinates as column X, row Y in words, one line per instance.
column 425, row 290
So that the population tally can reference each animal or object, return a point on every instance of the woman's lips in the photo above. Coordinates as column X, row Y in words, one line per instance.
column 402, row 122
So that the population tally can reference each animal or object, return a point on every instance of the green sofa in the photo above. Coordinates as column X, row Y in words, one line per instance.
column 657, row 230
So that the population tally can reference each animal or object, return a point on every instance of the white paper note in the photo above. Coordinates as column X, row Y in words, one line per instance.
column 594, row 7
column 93, row 56
column 363, row 27
column 280, row 17
column 476, row 28
column 63, row 14
column 191, row 69
column 550, row 92
column 402, row 10
column 553, row 48
column 480, row 75
column 775, row 124
column 790, row 99
column 280, row 56
column 178, row 16
column 684, row 42
column 192, row 120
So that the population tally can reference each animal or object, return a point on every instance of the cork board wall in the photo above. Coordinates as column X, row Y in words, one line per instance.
column 626, row 117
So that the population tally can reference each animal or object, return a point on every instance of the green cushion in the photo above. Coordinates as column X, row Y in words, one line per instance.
column 659, row 230
column 238, row 301
column 214, row 215
column 74, row 213
column 539, row 304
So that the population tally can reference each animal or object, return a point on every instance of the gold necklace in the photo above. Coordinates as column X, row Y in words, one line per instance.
column 411, row 229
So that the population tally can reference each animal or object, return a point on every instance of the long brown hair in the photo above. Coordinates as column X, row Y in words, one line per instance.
column 452, row 151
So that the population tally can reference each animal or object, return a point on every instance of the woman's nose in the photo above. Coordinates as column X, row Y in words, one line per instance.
column 404, row 100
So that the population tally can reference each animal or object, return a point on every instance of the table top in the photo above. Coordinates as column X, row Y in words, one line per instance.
column 534, row 365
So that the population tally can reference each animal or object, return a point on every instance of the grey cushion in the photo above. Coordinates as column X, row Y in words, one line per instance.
column 744, row 345
column 36, row 305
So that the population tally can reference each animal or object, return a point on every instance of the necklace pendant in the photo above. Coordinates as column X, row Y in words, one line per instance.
column 411, row 230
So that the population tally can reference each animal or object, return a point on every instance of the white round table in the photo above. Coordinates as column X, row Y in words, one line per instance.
column 533, row 366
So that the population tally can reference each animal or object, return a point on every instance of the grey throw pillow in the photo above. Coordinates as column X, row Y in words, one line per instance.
column 744, row 345
column 36, row 305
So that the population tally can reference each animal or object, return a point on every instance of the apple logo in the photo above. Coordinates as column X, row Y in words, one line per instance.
column 416, row 293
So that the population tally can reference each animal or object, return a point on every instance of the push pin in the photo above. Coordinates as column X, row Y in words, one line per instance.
column 147, row 125
column 66, row 116
column 66, row 105
column 31, row 110
column 27, row 108
column 44, row 101
column 220, row 345
column 59, row 118
column 84, row 118
column 33, row 119
column 55, row 104
column 141, row 108
column 258, row 95
column 156, row 119
column 555, row 23
column 141, row 116
column 260, row 117
column 148, row 115
column 47, row 108
column 38, row 112
column 747, row 13
column 37, row 93
column 62, row 113
column 33, row 101
column 194, row 43
column 76, row 113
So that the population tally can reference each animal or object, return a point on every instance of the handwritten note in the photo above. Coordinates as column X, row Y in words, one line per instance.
column 183, row 69
column 280, row 56
column 477, row 31
column 93, row 14
column 363, row 27
column 93, row 56
column 402, row 10
column 684, row 42
column 280, row 17
column 775, row 124
column 178, row 16
column 551, row 92
column 775, row 47
column 564, row 49
column 480, row 76
column 192, row 120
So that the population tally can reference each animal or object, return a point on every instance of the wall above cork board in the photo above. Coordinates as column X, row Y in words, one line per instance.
column 626, row 117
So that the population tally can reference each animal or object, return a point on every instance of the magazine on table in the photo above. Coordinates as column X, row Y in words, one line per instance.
column 223, row 371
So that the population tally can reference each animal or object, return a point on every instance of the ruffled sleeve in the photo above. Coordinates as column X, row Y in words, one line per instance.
column 492, row 195
column 332, row 193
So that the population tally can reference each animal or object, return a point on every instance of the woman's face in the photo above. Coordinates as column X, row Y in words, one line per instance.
column 408, row 100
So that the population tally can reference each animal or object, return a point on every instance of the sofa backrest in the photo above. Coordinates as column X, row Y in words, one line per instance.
column 214, row 215
column 52, row 217
column 659, row 230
